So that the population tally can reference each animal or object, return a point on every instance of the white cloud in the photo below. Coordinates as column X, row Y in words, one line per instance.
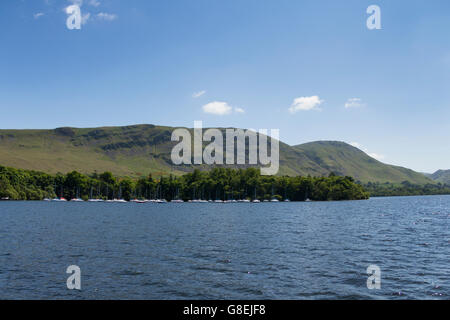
column 354, row 103
column 377, row 156
column 217, row 108
column 239, row 110
column 305, row 104
column 94, row 3
column 38, row 15
column 198, row 94
column 77, row 2
column 85, row 17
column 106, row 16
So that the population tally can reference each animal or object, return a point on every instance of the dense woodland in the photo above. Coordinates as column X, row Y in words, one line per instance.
column 219, row 183
column 405, row 189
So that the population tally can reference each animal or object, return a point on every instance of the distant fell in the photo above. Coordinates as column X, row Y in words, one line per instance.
column 142, row 149
column 345, row 159
column 442, row 176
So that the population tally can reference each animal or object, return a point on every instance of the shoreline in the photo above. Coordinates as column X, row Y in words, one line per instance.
column 230, row 202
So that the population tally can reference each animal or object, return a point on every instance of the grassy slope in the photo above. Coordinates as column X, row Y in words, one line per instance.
column 344, row 159
column 442, row 176
column 117, row 149
column 142, row 149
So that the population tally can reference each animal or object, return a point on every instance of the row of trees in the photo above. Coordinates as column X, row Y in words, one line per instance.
column 405, row 189
column 219, row 183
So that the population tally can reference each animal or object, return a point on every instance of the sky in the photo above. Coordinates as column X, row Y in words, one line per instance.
column 312, row 69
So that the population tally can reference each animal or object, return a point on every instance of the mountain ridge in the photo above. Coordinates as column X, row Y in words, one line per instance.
column 138, row 150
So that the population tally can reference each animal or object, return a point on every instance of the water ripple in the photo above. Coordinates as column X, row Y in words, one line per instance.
column 215, row 251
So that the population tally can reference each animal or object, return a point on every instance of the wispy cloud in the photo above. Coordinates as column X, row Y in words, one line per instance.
column 94, row 3
column 85, row 17
column 377, row 156
column 76, row 2
column 106, row 16
column 305, row 104
column 38, row 15
column 354, row 103
column 239, row 110
column 198, row 94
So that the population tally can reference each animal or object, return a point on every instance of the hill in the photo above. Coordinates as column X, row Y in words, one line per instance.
column 442, row 176
column 344, row 159
column 142, row 149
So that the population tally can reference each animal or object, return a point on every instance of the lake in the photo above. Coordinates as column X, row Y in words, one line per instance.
column 312, row 250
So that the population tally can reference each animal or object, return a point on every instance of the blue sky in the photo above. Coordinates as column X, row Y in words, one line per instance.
column 287, row 64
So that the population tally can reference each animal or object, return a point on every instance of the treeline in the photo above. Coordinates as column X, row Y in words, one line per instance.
column 217, row 184
column 405, row 189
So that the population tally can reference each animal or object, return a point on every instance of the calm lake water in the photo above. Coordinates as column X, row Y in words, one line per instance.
column 227, row 251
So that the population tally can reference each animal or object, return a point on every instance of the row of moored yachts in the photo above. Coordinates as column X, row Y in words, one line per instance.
column 162, row 201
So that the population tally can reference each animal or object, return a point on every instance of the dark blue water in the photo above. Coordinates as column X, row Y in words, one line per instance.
column 227, row 251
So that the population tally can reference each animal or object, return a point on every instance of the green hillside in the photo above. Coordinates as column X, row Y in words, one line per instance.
column 125, row 151
column 442, row 176
column 142, row 149
column 344, row 159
